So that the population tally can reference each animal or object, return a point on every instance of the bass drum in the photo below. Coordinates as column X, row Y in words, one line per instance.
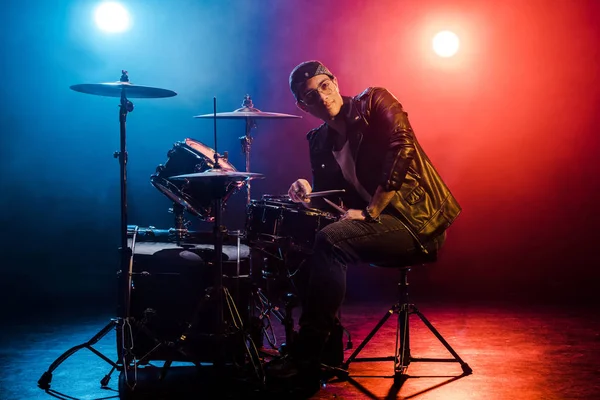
column 187, row 157
column 170, row 289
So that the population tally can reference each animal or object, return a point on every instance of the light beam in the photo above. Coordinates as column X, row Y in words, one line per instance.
column 112, row 17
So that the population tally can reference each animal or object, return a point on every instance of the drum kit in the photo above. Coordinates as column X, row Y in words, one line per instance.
column 193, row 296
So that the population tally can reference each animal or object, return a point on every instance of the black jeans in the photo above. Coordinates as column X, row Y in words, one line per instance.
column 321, row 279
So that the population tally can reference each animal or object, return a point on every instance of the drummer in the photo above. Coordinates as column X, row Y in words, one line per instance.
column 397, row 206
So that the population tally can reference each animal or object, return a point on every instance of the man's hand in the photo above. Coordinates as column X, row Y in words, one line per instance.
column 299, row 191
column 353, row 214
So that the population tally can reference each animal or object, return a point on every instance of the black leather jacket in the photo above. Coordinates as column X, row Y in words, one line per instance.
column 387, row 153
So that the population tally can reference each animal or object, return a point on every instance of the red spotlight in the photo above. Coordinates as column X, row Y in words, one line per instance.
column 445, row 43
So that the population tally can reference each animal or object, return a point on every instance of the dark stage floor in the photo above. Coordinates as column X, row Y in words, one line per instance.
column 515, row 353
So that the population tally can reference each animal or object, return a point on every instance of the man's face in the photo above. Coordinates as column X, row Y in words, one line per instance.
column 321, row 97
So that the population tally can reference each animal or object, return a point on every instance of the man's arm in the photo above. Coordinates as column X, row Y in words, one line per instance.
column 380, row 201
column 388, row 114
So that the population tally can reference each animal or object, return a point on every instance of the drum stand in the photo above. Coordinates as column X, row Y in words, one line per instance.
column 285, row 294
column 264, row 305
column 180, row 230
column 218, row 292
column 125, row 271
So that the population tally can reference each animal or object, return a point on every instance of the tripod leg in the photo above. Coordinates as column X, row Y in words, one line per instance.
column 178, row 344
column 46, row 378
column 250, row 347
column 266, row 308
column 383, row 320
column 465, row 367
column 163, row 372
column 106, row 379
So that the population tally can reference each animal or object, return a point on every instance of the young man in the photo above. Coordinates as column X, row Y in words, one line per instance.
column 397, row 207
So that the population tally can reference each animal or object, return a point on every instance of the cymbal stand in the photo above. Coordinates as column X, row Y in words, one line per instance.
column 218, row 233
column 126, row 265
column 246, row 142
column 125, row 272
column 218, row 292
column 125, row 107
column 264, row 305
column 218, row 271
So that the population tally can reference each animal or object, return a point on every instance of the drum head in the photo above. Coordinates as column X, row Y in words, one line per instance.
column 208, row 154
column 187, row 157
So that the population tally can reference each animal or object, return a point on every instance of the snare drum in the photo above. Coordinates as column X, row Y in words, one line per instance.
column 279, row 221
column 188, row 157
column 169, row 282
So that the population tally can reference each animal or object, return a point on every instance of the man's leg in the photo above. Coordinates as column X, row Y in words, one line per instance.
column 324, row 272
column 336, row 246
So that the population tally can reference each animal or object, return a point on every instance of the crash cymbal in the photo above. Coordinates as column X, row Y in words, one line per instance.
column 114, row 89
column 247, row 112
column 220, row 174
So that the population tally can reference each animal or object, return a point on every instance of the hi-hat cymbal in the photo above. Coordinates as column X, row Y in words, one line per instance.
column 114, row 89
column 247, row 112
column 220, row 174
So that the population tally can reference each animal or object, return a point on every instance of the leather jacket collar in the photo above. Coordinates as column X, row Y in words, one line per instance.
column 353, row 118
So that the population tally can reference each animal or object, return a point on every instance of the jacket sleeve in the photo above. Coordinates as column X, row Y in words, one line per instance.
column 391, row 121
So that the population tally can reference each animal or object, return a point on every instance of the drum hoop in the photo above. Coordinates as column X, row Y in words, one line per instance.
column 134, row 231
column 173, row 193
column 293, row 208
column 207, row 153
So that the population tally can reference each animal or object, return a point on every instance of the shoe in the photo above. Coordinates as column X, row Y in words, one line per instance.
column 333, row 350
column 282, row 368
column 299, row 370
column 329, row 372
column 292, row 379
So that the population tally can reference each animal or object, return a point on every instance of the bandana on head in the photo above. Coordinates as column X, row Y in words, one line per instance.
column 304, row 72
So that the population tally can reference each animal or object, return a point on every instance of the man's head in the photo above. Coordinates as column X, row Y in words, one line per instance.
column 316, row 90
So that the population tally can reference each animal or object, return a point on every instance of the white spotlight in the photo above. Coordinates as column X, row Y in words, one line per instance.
column 445, row 44
column 112, row 17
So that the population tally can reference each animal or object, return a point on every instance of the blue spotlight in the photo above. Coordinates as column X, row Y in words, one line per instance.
column 112, row 17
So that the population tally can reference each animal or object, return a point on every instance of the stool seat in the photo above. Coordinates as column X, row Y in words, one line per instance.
column 409, row 261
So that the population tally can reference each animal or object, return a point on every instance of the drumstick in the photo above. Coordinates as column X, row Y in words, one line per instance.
column 338, row 208
column 325, row 193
